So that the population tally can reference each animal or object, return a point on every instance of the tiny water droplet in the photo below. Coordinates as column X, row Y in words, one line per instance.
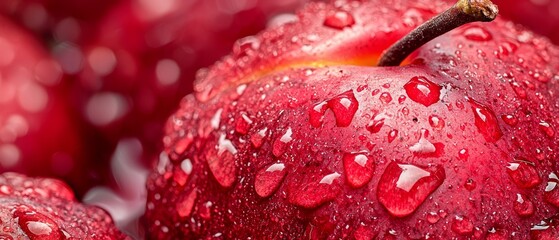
column 402, row 188
column 358, row 169
column 385, row 98
column 470, row 184
column 433, row 217
column 523, row 174
column 339, row 20
column 344, row 107
column 405, row 111
column 523, row 206
column 311, row 187
column 476, row 33
column 401, row 99
column 280, row 144
column 547, row 129
column 246, row 46
column 436, row 122
column 258, row 138
column 375, row 92
column 462, row 226
column 510, row 120
column 316, row 114
column 486, row 121
column 423, row 91
column 463, row 154
column 185, row 204
column 268, row 179
column 519, row 90
column 243, row 123
column 392, row 135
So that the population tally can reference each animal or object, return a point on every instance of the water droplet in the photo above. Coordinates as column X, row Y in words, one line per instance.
column 436, row 122
column 310, row 188
column 462, row 226
column 269, row 179
column 402, row 188
column 392, row 135
column 375, row 92
column 344, row 107
column 547, row 129
column 470, row 184
column 463, row 154
column 510, row 120
column 376, row 122
column 37, row 225
column 185, row 204
column 523, row 206
column 316, row 114
column 280, row 144
column 385, row 98
column 486, row 121
column 519, row 90
column 476, row 33
column 339, row 20
column 358, row 169
column 221, row 161
column 551, row 192
column 424, row 148
column 258, row 138
column 523, row 174
column 246, row 46
column 405, row 111
column 243, row 124
column 401, row 99
column 423, row 91
column 433, row 217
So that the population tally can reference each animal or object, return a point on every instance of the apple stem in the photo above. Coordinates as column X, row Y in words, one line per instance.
column 464, row 11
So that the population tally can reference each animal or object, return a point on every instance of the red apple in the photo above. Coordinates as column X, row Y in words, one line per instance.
column 42, row 208
column 297, row 135
column 542, row 16
column 39, row 135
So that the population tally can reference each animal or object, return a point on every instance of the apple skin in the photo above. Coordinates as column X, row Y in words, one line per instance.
column 540, row 16
column 299, row 135
column 43, row 208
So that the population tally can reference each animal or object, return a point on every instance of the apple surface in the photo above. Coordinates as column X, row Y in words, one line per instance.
column 297, row 134
column 42, row 208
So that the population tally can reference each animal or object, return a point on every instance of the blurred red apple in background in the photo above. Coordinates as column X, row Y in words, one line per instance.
column 39, row 134
column 542, row 16
column 296, row 135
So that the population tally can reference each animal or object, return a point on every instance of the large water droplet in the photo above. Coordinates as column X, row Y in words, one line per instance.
column 358, row 169
column 339, row 20
column 486, row 121
column 462, row 226
column 523, row 206
column 37, row 225
column 510, row 120
column 311, row 188
column 221, row 161
column 258, row 138
column 423, row 91
column 519, row 90
column 246, row 46
column 376, row 123
column 476, row 33
column 523, row 174
column 402, row 188
column 344, row 107
column 242, row 124
column 269, row 179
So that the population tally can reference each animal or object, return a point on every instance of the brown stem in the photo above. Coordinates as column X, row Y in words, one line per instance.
column 464, row 11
